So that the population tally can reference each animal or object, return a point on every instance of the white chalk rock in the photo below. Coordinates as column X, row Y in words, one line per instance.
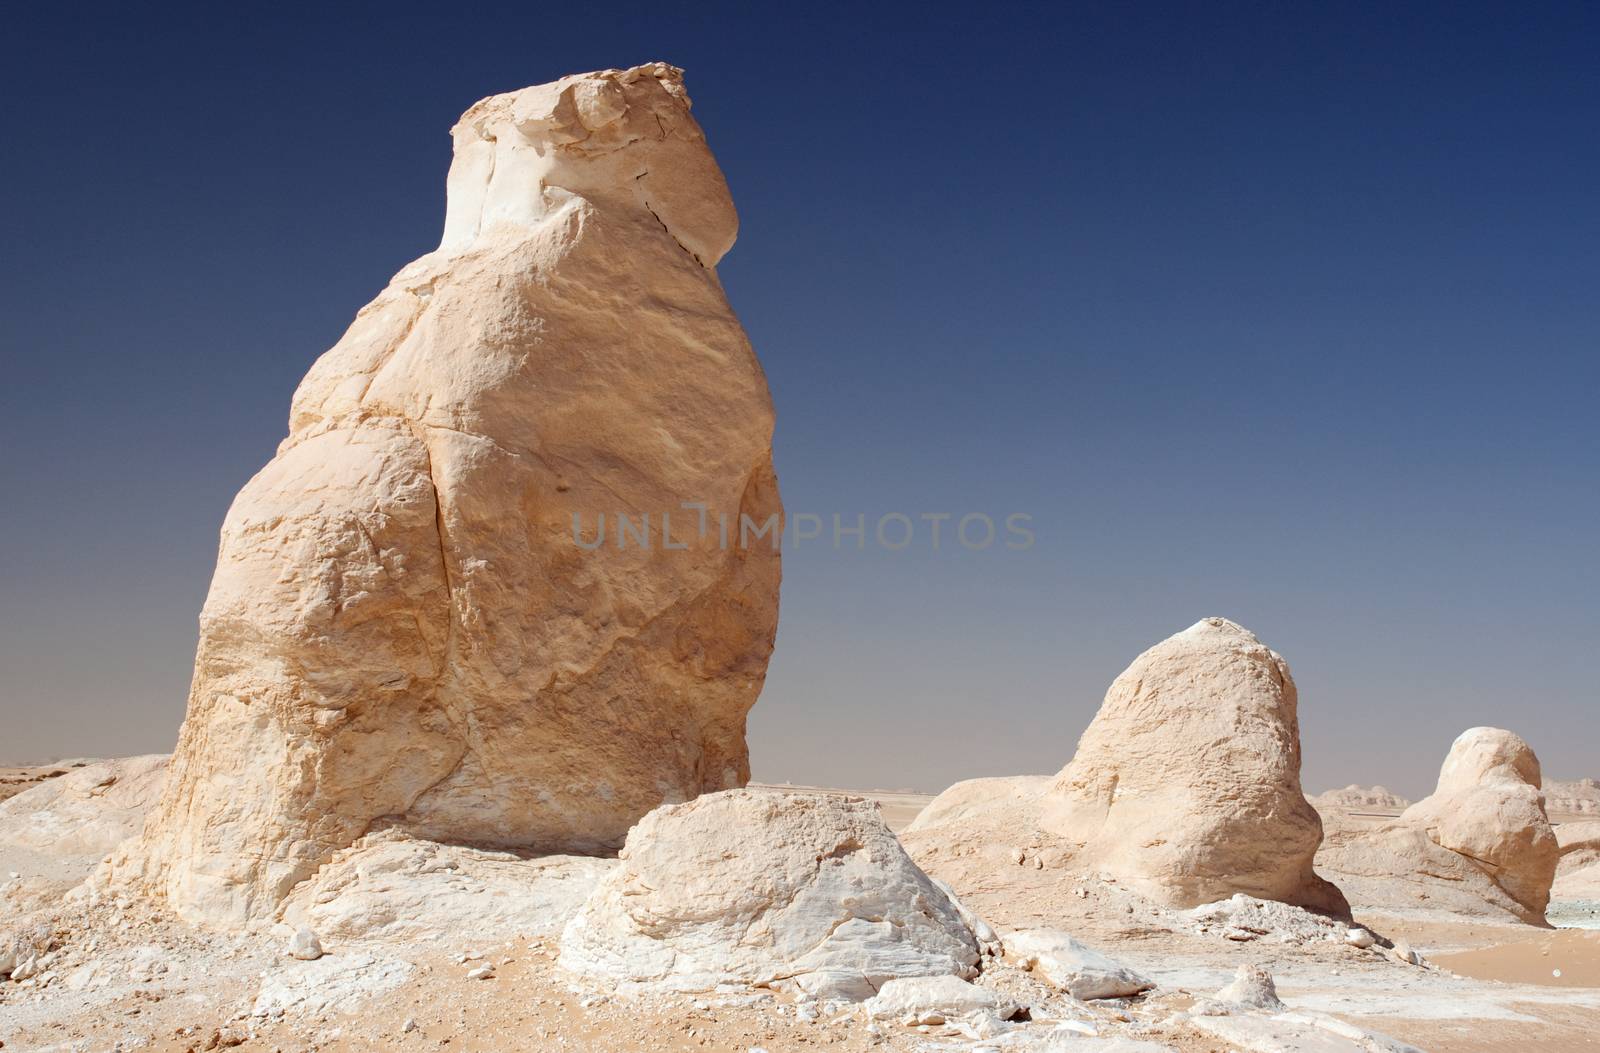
column 1360, row 939
column 305, row 946
column 86, row 812
column 1186, row 785
column 1481, row 844
column 1355, row 797
column 1185, row 788
column 1069, row 966
column 338, row 983
column 1572, row 796
column 410, row 620
column 396, row 887
column 1252, row 987
column 764, row 888
column 928, row 1000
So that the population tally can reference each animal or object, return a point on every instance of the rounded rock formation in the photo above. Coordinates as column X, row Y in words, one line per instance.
column 1185, row 788
column 1480, row 844
column 1187, row 783
column 412, row 624
column 762, row 888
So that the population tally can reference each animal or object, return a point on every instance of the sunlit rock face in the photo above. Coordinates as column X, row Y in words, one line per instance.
column 1185, row 788
column 403, row 630
column 1187, row 782
column 1481, row 844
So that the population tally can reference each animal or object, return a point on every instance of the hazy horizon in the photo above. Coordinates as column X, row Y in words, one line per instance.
column 1286, row 316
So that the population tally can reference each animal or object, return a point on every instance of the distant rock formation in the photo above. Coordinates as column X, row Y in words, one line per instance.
column 1578, row 871
column 1187, row 782
column 766, row 888
column 1353, row 796
column 1186, row 786
column 1572, row 796
column 411, row 625
column 1481, row 844
column 87, row 811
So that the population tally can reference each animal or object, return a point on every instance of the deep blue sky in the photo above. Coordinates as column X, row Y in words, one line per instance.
column 1282, row 312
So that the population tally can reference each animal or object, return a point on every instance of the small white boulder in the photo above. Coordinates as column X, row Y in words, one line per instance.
column 1071, row 967
column 1252, row 987
column 929, row 1000
column 1360, row 938
column 760, row 889
column 305, row 946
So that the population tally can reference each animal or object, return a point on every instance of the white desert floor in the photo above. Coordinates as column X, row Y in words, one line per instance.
column 125, row 976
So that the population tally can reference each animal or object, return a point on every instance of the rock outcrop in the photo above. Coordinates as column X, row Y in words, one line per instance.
column 1572, row 796
column 1578, row 871
column 411, row 624
column 1067, row 965
column 1187, row 783
column 1253, row 988
column 928, row 1001
column 1355, row 797
column 86, row 812
column 767, row 889
column 390, row 886
column 1480, row 844
column 1185, row 787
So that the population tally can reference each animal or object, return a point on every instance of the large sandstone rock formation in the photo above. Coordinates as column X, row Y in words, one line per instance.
column 1187, row 783
column 1185, row 787
column 763, row 889
column 1481, row 844
column 404, row 629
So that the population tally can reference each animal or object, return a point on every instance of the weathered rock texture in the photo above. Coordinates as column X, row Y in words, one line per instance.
column 1481, row 844
column 403, row 629
column 1187, row 783
column 86, row 812
column 764, row 889
column 390, row 886
column 1068, row 965
column 1185, row 788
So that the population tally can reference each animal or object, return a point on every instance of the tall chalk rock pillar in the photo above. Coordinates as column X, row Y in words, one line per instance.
column 404, row 628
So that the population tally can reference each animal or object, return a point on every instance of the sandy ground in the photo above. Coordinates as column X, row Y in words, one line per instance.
column 126, row 976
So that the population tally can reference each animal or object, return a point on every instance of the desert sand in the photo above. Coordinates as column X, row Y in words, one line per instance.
column 127, row 971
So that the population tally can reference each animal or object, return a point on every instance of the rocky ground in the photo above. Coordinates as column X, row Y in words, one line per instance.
column 110, row 972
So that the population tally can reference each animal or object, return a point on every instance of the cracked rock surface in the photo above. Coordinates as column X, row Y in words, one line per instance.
column 403, row 630
column 797, row 891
